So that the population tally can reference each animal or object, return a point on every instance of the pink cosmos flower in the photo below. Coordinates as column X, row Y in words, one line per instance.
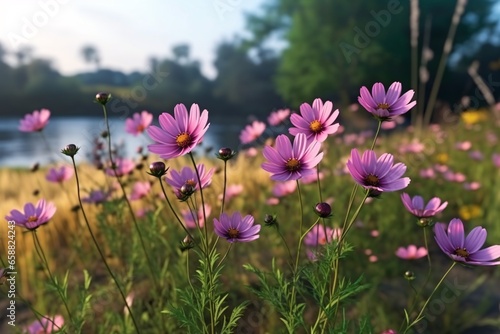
column 251, row 152
column 33, row 217
column 232, row 190
column 46, row 325
column 180, row 135
column 463, row 145
column 278, row 116
column 377, row 175
column 388, row 125
column 411, row 252
column 96, row 197
column 187, row 177
column 272, row 201
column 465, row 249
column 496, row 159
column 312, row 178
column 35, row 121
column 315, row 122
column 472, row 185
column 189, row 218
column 60, row 174
column 252, row 132
column 427, row 173
column 413, row 147
column 123, row 166
column 385, row 106
column 417, row 207
column 287, row 162
column 236, row 228
column 454, row 177
column 136, row 124
column 441, row 168
column 281, row 189
column 317, row 236
column 476, row 155
column 389, row 331
column 140, row 190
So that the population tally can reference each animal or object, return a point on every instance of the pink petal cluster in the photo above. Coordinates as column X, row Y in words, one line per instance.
column 187, row 176
column 453, row 243
column 235, row 228
column 46, row 325
column 291, row 162
column 232, row 190
column 277, row 117
column 321, row 235
column 496, row 159
column 33, row 216
column 377, row 175
column 191, row 218
column 417, row 207
column 59, row 175
column 411, row 252
column 123, row 166
column 281, row 189
column 35, row 121
column 136, row 124
column 386, row 105
column 315, row 121
column 96, row 197
column 140, row 190
column 252, row 132
column 180, row 134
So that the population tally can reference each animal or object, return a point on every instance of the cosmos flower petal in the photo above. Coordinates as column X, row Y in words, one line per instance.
column 475, row 239
column 456, row 233
column 487, row 254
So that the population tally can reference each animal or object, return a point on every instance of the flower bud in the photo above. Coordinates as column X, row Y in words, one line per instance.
column 157, row 169
column 35, row 167
column 324, row 210
column 270, row 220
column 187, row 244
column 70, row 150
column 225, row 153
column 424, row 222
column 102, row 98
column 409, row 275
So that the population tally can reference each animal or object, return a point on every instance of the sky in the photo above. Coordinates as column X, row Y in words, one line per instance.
column 126, row 33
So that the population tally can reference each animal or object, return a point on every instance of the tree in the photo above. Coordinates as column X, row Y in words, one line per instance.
column 181, row 53
column 91, row 55
column 334, row 47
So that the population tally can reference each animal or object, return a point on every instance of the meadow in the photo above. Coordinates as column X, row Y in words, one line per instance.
column 134, row 238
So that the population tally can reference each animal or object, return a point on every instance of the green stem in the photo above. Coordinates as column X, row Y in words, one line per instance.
column 224, row 188
column 41, row 255
column 103, row 258
column 134, row 219
column 419, row 316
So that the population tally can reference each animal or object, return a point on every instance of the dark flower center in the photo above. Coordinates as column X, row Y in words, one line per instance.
column 233, row 233
column 292, row 165
column 372, row 180
column 183, row 140
column 383, row 106
column 32, row 219
column 462, row 252
column 140, row 128
column 191, row 183
column 316, row 126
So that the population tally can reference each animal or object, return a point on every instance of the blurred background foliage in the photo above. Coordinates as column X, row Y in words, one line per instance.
column 293, row 51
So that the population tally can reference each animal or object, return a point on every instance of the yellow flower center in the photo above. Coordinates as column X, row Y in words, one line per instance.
column 372, row 180
column 462, row 252
column 183, row 140
column 32, row 219
column 383, row 106
column 233, row 233
column 316, row 126
column 292, row 165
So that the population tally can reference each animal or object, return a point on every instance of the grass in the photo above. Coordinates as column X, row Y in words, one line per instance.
column 68, row 247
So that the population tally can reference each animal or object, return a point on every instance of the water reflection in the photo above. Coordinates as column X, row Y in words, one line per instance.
column 19, row 149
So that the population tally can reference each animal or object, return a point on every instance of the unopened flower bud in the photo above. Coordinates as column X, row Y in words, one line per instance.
column 324, row 210
column 187, row 244
column 225, row 153
column 157, row 169
column 35, row 167
column 104, row 134
column 409, row 275
column 424, row 222
column 102, row 98
column 270, row 220
column 186, row 191
column 70, row 150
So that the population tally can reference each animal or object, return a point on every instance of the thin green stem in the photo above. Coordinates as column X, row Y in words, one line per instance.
column 419, row 315
column 376, row 135
column 103, row 258
column 122, row 187
column 41, row 255
column 224, row 188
